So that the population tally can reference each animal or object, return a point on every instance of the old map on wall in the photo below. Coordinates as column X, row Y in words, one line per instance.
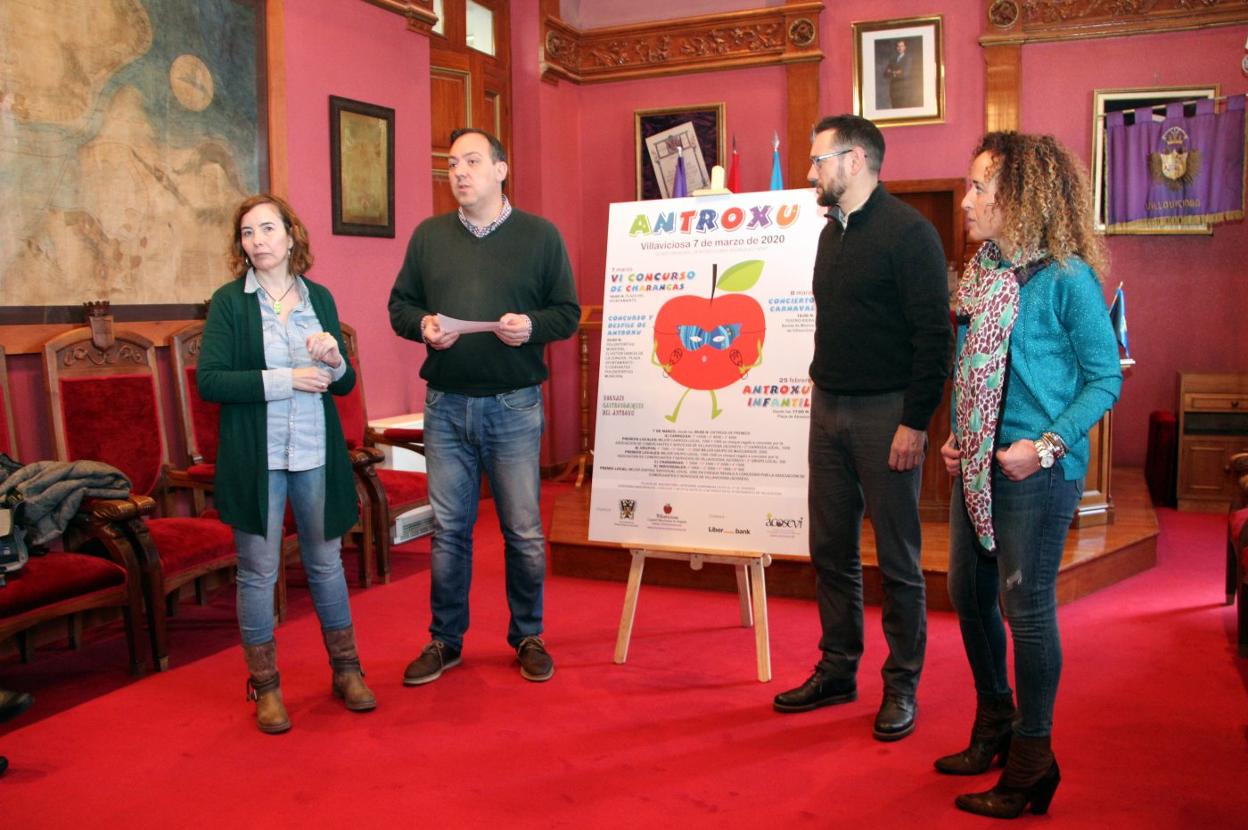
column 128, row 134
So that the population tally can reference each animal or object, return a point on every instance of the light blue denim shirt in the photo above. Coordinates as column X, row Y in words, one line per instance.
column 296, row 419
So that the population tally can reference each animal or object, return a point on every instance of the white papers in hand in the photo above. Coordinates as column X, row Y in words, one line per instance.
column 451, row 325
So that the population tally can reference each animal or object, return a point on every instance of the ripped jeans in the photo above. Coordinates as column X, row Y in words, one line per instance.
column 1031, row 518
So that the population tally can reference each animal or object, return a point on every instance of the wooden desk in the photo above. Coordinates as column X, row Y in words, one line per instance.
column 751, row 594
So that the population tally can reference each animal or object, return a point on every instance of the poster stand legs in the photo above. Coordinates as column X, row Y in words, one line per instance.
column 751, row 596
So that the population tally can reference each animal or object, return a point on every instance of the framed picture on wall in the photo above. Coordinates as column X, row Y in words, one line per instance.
column 1141, row 100
column 361, row 158
column 899, row 71
column 663, row 136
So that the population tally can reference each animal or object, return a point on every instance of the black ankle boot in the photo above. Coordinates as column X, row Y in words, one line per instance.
column 1030, row 778
column 990, row 738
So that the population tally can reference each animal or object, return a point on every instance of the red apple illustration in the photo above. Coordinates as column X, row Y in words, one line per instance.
column 712, row 342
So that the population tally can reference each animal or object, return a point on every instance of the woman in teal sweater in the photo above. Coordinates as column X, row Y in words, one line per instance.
column 1037, row 367
column 272, row 356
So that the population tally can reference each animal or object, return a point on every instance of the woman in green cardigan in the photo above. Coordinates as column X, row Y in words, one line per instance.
column 272, row 356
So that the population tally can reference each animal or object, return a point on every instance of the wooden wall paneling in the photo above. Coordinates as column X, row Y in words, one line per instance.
column 275, row 58
column 802, row 89
column 450, row 103
column 1004, row 89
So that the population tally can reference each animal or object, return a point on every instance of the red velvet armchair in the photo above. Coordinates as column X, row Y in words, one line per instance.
column 65, row 584
column 200, row 421
column 106, row 405
column 390, row 492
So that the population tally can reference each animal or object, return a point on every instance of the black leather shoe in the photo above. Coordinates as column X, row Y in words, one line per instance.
column 819, row 690
column 13, row 704
column 896, row 717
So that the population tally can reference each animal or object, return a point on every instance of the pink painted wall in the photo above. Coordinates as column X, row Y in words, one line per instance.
column 357, row 51
column 595, row 14
column 936, row 151
column 547, row 162
column 754, row 109
column 1186, row 296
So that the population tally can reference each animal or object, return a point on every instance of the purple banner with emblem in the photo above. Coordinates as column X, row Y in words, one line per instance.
column 1184, row 170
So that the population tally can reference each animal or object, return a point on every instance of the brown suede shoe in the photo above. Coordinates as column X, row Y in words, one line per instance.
column 535, row 663
column 434, row 659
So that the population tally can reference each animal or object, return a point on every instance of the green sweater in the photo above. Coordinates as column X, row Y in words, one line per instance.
column 230, row 362
column 521, row 267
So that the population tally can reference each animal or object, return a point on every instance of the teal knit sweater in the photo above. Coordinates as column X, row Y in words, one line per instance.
column 1064, row 370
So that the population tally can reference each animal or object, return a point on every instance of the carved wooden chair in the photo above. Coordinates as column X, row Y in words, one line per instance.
column 8, row 436
column 200, row 421
column 65, row 584
column 390, row 493
column 106, row 405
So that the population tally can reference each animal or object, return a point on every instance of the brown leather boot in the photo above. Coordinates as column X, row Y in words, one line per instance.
column 348, row 677
column 264, row 687
column 990, row 738
column 1030, row 778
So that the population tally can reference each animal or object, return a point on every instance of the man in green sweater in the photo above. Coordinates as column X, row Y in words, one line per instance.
column 485, row 263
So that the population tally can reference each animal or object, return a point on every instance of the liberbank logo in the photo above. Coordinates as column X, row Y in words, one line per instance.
column 787, row 524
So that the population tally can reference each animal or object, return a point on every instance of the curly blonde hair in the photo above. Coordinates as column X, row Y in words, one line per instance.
column 1043, row 196
column 300, row 251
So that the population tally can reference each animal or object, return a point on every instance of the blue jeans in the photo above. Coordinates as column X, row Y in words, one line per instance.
column 259, row 558
column 850, row 438
column 500, row 434
column 1031, row 518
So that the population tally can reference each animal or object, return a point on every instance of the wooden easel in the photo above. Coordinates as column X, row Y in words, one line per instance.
column 751, row 594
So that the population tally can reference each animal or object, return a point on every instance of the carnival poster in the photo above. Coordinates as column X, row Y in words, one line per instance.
column 703, row 386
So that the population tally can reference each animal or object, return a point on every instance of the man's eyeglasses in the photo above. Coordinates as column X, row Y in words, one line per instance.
column 816, row 160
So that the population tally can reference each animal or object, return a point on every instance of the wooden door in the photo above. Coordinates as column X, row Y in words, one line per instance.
column 469, row 80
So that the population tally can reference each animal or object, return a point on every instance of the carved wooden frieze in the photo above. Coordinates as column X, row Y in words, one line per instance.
column 118, row 353
column 756, row 37
column 1021, row 21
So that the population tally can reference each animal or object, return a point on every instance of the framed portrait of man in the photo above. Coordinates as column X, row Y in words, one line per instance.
column 899, row 71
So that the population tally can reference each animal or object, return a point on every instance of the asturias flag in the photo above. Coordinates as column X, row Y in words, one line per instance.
column 1118, row 317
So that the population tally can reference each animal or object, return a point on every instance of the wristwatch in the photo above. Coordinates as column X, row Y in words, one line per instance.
column 1047, row 456
column 1050, row 447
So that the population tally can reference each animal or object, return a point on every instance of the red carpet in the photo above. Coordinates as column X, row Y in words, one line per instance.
column 1152, row 721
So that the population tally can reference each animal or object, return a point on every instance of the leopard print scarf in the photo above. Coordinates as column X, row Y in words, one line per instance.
column 987, row 300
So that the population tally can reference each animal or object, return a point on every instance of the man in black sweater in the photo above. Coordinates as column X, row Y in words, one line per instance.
column 882, row 346
column 483, row 403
